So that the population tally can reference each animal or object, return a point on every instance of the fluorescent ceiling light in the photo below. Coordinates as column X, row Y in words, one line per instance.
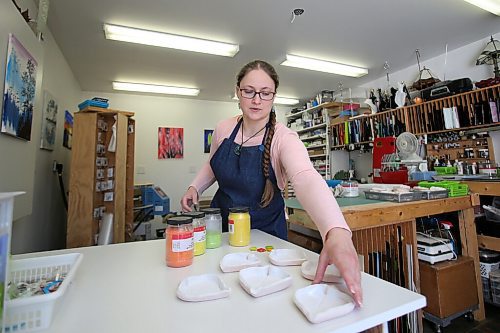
column 132, row 35
column 323, row 66
column 157, row 89
column 492, row 6
column 285, row 100
column 281, row 100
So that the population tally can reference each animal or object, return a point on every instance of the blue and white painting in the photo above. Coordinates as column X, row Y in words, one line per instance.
column 19, row 92
column 49, row 121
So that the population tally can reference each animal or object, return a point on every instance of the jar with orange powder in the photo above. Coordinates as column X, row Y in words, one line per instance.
column 179, row 241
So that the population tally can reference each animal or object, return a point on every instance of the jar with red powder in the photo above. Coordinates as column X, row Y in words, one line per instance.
column 179, row 241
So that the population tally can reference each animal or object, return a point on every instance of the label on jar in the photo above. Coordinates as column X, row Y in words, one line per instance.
column 199, row 234
column 182, row 242
column 231, row 226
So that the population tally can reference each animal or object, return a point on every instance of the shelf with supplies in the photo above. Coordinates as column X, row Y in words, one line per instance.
column 312, row 126
column 327, row 105
column 476, row 109
column 101, row 192
column 479, row 149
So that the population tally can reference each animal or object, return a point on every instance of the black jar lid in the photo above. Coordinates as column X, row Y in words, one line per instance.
column 179, row 220
column 211, row 210
column 238, row 210
column 194, row 214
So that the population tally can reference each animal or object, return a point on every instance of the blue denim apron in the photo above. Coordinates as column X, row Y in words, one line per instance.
column 241, row 182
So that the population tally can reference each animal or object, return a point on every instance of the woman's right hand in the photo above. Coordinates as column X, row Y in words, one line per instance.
column 189, row 199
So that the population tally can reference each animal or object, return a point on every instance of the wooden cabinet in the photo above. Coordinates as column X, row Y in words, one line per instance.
column 449, row 286
column 101, row 178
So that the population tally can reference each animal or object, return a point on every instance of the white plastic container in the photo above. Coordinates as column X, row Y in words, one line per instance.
column 34, row 313
column 6, row 211
column 350, row 188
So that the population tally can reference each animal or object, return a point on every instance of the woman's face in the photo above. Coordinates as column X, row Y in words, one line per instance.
column 256, row 108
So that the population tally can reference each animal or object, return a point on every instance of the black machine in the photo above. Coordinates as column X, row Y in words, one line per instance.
column 446, row 88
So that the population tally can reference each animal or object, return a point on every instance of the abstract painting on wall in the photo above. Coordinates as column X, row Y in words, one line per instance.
column 170, row 142
column 19, row 92
column 207, row 141
column 49, row 121
column 68, row 129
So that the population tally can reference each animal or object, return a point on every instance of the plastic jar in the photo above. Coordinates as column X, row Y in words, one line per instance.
column 199, row 231
column 350, row 188
column 239, row 226
column 179, row 241
column 213, row 220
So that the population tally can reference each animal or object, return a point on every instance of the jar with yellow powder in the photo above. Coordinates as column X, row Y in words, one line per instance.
column 239, row 226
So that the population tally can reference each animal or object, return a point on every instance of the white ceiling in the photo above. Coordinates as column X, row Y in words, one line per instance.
column 365, row 33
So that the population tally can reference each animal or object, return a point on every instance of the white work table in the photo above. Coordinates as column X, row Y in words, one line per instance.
column 128, row 288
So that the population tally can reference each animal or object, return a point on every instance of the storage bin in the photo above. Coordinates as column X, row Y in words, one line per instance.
column 34, row 313
column 486, row 289
column 446, row 170
column 455, row 189
column 486, row 268
column 396, row 197
column 431, row 195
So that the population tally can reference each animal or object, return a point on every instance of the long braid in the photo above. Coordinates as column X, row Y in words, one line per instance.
column 268, row 193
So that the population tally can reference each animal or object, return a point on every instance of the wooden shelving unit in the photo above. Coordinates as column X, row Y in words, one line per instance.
column 419, row 119
column 468, row 150
column 101, row 181
column 313, row 127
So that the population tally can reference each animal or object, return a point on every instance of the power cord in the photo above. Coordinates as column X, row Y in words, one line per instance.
column 59, row 170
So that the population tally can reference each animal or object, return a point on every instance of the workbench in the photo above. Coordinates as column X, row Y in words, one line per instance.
column 128, row 288
column 375, row 222
column 491, row 188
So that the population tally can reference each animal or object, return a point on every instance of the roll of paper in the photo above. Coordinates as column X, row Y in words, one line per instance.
column 106, row 230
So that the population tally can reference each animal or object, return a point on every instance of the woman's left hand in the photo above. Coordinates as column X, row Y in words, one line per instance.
column 339, row 250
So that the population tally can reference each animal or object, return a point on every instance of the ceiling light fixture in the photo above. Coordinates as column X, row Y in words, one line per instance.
column 281, row 100
column 323, row 66
column 157, row 89
column 155, row 38
column 492, row 6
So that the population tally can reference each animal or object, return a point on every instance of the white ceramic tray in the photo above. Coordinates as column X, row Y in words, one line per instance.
column 265, row 280
column 203, row 287
column 321, row 302
column 234, row 262
column 287, row 257
column 332, row 273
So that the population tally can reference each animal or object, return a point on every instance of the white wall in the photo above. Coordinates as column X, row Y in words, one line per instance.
column 40, row 219
column 151, row 112
column 18, row 156
column 461, row 63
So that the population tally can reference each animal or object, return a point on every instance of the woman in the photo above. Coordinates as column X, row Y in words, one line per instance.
column 252, row 157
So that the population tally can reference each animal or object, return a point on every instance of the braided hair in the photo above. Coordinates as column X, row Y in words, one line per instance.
column 268, row 193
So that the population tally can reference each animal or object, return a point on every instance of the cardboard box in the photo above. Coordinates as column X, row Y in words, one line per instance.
column 450, row 286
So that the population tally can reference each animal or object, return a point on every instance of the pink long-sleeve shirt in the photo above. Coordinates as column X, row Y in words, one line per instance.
column 290, row 161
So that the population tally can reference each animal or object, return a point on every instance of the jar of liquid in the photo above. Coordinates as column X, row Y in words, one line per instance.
column 199, row 231
column 179, row 241
column 213, row 220
column 239, row 226
column 350, row 188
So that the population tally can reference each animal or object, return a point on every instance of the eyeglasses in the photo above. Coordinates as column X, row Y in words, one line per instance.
column 264, row 95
